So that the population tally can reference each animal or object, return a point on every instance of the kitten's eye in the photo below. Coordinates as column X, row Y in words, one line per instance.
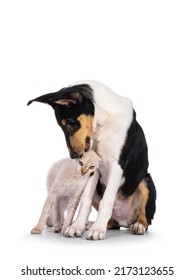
column 92, row 167
column 80, row 162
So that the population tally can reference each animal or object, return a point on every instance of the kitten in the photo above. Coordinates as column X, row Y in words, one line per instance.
column 66, row 181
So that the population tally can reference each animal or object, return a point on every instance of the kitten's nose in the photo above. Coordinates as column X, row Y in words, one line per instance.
column 84, row 171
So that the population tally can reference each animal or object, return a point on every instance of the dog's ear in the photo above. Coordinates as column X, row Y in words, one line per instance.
column 43, row 98
column 67, row 98
column 63, row 97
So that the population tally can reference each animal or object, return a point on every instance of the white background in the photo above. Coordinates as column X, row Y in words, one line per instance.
column 141, row 49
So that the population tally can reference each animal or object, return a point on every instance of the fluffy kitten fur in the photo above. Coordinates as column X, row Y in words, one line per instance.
column 66, row 181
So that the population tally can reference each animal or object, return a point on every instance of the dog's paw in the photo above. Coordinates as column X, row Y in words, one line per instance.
column 36, row 230
column 96, row 232
column 75, row 230
column 96, row 235
column 89, row 225
column 137, row 228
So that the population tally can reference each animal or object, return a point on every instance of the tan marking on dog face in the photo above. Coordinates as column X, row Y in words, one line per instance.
column 144, row 192
column 63, row 122
column 78, row 140
column 65, row 102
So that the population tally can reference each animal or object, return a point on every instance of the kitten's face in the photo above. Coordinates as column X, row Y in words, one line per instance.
column 89, row 162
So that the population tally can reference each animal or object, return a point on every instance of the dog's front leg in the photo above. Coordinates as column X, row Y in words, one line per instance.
column 78, row 226
column 98, row 229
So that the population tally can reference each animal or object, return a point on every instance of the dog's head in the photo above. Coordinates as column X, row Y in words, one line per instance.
column 74, row 111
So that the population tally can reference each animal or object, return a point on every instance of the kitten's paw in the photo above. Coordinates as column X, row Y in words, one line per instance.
column 57, row 228
column 36, row 230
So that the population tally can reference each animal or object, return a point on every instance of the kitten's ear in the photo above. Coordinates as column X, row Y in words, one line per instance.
column 100, row 161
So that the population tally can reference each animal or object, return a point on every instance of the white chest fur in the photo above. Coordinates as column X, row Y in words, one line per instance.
column 113, row 117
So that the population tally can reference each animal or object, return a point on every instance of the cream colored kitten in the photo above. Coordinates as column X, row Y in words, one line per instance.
column 66, row 181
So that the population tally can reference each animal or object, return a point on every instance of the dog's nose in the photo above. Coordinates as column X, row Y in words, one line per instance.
column 74, row 155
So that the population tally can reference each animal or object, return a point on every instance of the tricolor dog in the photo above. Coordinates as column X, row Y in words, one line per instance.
column 91, row 115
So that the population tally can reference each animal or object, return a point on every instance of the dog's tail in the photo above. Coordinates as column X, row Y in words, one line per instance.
column 151, row 204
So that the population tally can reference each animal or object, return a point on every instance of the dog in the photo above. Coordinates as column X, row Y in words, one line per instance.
column 66, row 181
column 91, row 115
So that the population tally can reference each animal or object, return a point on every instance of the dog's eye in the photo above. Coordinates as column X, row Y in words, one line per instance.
column 80, row 162
column 70, row 122
column 92, row 167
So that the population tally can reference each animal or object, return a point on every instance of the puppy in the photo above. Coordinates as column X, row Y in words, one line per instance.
column 91, row 115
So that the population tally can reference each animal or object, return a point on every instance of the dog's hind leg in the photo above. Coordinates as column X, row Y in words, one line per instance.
column 141, row 224
column 147, row 208
column 112, row 224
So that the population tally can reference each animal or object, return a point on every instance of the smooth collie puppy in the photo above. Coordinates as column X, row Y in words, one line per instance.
column 91, row 115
